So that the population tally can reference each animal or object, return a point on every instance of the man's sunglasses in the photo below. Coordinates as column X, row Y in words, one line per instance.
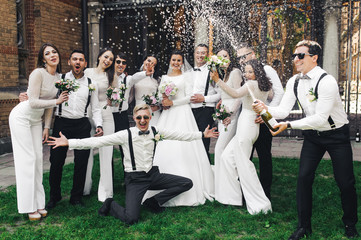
column 243, row 56
column 140, row 117
column 300, row 55
column 121, row 62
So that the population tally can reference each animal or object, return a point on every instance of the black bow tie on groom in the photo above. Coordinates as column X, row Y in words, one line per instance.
column 196, row 69
column 143, row 133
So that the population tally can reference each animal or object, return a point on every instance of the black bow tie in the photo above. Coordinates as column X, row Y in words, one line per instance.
column 144, row 133
column 304, row 77
column 197, row 69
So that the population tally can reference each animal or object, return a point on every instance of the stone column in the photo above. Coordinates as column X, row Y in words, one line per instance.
column 331, row 37
column 94, row 12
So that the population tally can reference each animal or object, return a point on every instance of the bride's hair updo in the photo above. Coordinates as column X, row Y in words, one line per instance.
column 264, row 83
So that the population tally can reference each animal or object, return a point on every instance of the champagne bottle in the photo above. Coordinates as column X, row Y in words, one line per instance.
column 357, row 139
column 268, row 120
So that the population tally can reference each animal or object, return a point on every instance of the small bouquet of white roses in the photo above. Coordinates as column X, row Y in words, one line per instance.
column 67, row 85
column 222, row 113
column 168, row 89
column 217, row 63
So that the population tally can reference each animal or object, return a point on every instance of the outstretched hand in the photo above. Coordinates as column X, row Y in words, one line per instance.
column 208, row 133
column 149, row 68
column 61, row 141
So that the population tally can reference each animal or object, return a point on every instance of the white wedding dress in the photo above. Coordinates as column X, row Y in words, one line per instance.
column 237, row 173
column 187, row 159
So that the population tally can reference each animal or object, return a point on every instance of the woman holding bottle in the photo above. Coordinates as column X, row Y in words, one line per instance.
column 238, row 175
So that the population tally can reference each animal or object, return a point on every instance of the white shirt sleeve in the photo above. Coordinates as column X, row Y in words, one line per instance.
column 118, row 138
column 277, row 87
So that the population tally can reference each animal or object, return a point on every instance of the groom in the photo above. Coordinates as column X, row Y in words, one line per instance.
column 140, row 175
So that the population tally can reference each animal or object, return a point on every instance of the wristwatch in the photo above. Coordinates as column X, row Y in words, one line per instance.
column 289, row 125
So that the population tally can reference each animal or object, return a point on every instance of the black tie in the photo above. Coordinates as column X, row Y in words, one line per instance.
column 197, row 69
column 144, row 133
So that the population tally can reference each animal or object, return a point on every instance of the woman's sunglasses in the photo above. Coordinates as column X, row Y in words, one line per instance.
column 300, row 55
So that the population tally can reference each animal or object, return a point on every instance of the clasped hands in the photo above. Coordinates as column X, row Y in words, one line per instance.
column 258, row 106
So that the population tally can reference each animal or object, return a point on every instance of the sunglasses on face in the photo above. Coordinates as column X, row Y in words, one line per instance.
column 121, row 62
column 243, row 56
column 300, row 55
column 140, row 117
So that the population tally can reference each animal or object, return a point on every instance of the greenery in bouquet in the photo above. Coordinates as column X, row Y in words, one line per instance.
column 222, row 113
column 67, row 85
column 217, row 63
column 114, row 95
column 151, row 99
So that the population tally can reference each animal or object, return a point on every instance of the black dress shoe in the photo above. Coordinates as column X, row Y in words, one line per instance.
column 153, row 205
column 52, row 203
column 77, row 203
column 300, row 233
column 351, row 232
column 104, row 210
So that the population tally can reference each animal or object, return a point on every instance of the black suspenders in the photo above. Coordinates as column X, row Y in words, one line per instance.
column 87, row 103
column 206, row 89
column 123, row 92
column 131, row 150
column 295, row 86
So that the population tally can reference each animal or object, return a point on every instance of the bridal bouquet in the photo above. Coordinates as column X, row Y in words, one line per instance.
column 222, row 113
column 151, row 99
column 67, row 85
column 114, row 95
column 217, row 63
column 168, row 89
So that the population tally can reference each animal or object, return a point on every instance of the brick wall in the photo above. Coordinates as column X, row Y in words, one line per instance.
column 55, row 21
column 8, row 47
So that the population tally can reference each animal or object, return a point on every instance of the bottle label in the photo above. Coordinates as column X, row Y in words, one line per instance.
column 272, row 122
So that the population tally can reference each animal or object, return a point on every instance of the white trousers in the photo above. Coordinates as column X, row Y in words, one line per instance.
column 223, row 139
column 105, row 188
column 26, row 138
column 237, row 173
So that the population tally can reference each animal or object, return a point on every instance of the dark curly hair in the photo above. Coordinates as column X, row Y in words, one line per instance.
column 264, row 83
column 232, row 63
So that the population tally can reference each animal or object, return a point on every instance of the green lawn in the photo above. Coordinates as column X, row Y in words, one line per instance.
column 210, row 221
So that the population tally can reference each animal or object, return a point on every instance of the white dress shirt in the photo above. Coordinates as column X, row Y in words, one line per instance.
column 317, row 112
column 78, row 99
column 277, row 87
column 131, row 80
column 199, row 85
column 143, row 145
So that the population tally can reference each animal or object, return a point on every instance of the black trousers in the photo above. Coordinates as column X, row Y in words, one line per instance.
column 137, row 183
column 263, row 146
column 71, row 128
column 203, row 116
column 337, row 144
column 121, row 122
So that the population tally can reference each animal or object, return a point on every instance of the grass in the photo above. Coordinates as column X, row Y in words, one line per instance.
column 210, row 221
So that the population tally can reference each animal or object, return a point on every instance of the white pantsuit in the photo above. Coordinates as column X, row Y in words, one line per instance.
column 25, row 122
column 237, row 174
column 105, row 189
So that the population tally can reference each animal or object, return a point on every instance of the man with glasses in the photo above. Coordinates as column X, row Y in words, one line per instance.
column 140, row 175
column 325, row 129
column 120, row 113
column 263, row 144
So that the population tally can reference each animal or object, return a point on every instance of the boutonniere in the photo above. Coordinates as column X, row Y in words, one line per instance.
column 311, row 95
column 91, row 87
column 158, row 137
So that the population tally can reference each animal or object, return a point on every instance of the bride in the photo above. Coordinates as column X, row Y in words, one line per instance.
column 238, row 174
column 187, row 159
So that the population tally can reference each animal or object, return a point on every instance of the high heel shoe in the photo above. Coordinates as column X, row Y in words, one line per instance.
column 35, row 216
column 43, row 212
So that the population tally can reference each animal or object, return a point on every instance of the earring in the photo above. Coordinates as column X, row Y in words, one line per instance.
column 44, row 64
